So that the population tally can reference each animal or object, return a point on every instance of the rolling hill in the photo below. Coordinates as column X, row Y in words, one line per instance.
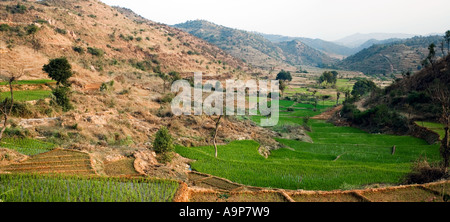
column 254, row 48
column 98, row 39
column 393, row 57
column 358, row 39
column 111, row 48
column 330, row 48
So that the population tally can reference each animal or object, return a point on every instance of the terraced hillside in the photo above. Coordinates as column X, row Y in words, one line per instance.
column 338, row 157
column 57, row 161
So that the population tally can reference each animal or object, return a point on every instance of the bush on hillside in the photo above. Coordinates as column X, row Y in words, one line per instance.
column 163, row 142
column 95, row 51
column 424, row 172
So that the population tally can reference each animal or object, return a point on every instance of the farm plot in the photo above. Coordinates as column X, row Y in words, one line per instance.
column 26, row 146
column 54, row 162
column 121, row 167
column 259, row 196
column 338, row 158
column 411, row 194
column 29, row 82
column 436, row 127
column 27, row 95
column 39, row 188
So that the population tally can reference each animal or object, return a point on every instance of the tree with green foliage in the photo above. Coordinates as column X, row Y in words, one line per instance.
column 329, row 77
column 60, row 70
column 284, row 76
column 430, row 59
column 324, row 97
column 363, row 86
column 163, row 142
column 62, row 97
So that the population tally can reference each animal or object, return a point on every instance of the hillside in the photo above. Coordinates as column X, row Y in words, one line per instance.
column 330, row 48
column 119, row 101
column 252, row 47
column 392, row 58
column 297, row 52
column 411, row 94
column 358, row 39
column 396, row 108
column 125, row 45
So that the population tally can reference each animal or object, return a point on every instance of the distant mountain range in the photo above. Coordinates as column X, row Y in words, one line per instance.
column 358, row 39
column 330, row 48
column 375, row 53
column 255, row 49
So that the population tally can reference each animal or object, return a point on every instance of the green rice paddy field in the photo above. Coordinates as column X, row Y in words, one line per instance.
column 39, row 188
column 363, row 158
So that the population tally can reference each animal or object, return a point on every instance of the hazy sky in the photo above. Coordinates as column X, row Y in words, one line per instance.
column 325, row 19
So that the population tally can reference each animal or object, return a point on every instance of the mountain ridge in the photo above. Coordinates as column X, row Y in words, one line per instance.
column 249, row 46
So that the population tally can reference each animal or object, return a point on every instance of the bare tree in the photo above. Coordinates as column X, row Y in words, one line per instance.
column 440, row 94
column 215, row 134
column 7, row 106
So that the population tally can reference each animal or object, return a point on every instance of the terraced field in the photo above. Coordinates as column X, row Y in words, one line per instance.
column 338, row 158
column 436, row 127
column 26, row 146
column 57, row 161
column 50, row 188
column 28, row 95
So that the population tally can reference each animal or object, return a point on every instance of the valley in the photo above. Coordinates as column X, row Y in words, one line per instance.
column 86, row 95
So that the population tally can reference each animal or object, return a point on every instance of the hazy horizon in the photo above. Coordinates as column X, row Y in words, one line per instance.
column 325, row 19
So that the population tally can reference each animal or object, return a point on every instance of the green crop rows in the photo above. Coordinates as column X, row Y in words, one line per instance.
column 29, row 82
column 363, row 158
column 35, row 188
column 26, row 146
column 27, row 95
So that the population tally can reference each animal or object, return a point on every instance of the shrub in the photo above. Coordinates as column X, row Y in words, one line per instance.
column 166, row 98
column 61, row 31
column 16, row 9
column 95, row 51
column 19, row 109
column 423, row 172
column 107, row 86
column 4, row 27
column 163, row 142
column 41, row 21
column 141, row 65
column 31, row 29
column 78, row 49
column 61, row 97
